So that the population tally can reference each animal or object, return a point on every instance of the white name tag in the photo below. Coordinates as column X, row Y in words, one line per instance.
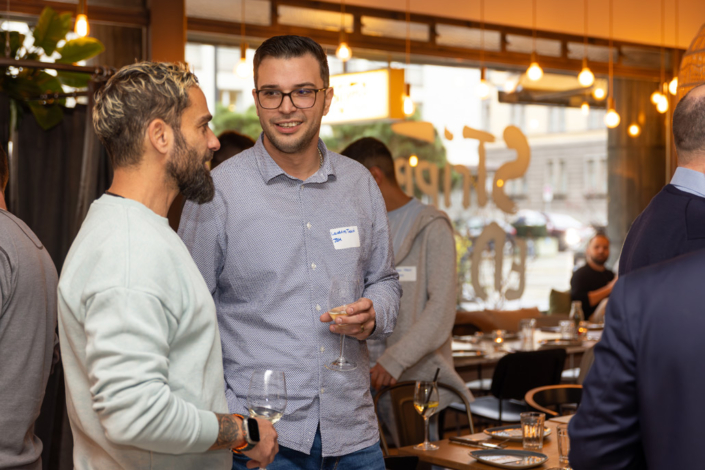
column 407, row 273
column 345, row 237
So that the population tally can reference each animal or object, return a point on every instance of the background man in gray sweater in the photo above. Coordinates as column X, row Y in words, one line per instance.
column 424, row 254
column 27, row 332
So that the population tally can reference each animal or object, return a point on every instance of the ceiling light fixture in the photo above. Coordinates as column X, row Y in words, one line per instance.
column 81, row 27
column 673, row 85
column 243, row 69
column 634, row 130
column 585, row 108
column 612, row 117
column 483, row 88
column 586, row 78
column 534, row 72
column 343, row 52
column 409, row 106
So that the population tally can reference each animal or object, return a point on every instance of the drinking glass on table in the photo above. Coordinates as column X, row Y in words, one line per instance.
column 527, row 327
column 426, row 404
column 563, row 448
column 342, row 292
column 532, row 430
column 266, row 397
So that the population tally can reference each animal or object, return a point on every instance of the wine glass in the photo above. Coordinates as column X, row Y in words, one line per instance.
column 266, row 397
column 426, row 404
column 343, row 291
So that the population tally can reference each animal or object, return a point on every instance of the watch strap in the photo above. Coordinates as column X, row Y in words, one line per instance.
column 247, row 445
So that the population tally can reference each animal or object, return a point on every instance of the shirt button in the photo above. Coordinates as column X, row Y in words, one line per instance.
column 323, row 390
column 318, row 307
column 308, row 225
column 313, row 265
column 322, row 349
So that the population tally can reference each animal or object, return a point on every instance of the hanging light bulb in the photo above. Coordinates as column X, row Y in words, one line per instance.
column 586, row 77
column 483, row 88
column 673, row 86
column 662, row 105
column 510, row 84
column 409, row 106
column 81, row 27
column 413, row 161
column 611, row 118
column 343, row 52
column 243, row 69
column 599, row 93
column 655, row 97
column 534, row 72
column 585, row 108
column 634, row 130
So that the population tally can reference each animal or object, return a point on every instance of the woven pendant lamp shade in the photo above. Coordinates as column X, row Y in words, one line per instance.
column 692, row 72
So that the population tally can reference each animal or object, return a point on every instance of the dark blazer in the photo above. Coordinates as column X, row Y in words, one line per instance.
column 643, row 399
column 672, row 224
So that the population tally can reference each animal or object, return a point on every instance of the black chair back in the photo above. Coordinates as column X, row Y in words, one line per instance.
column 519, row 372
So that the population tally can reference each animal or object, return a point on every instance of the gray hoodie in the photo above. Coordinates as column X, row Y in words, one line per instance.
column 421, row 340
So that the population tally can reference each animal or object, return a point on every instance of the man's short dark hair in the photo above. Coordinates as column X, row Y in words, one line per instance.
column 372, row 152
column 4, row 170
column 689, row 125
column 287, row 47
column 231, row 143
column 598, row 235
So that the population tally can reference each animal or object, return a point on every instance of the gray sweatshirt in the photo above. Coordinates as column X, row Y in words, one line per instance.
column 422, row 338
column 27, row 334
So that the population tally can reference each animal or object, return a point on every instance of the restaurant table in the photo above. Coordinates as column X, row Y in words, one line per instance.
column 458, row 457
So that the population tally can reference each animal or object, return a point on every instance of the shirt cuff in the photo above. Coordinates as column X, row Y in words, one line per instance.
column 209, row 431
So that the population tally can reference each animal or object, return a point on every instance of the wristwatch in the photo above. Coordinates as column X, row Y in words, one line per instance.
column 251, row 434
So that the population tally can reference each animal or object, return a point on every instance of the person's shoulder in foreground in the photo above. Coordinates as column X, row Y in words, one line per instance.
column 674, row 221
column 27, row 323
column 642, row 399
column 139, row 335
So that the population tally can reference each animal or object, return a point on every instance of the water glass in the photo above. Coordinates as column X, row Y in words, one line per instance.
column 563, row 445
column 532, row 430
column 526, row 333
column 567, row 328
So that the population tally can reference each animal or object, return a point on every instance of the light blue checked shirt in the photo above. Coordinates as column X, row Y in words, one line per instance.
column 265, row 247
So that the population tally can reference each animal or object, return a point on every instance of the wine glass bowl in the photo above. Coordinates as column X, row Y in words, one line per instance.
column 426, row 404
column 266, row 397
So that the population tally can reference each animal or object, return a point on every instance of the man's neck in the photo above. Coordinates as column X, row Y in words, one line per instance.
column 145, row 185
column 696, row 162
column 3, row 205
column 595, row 266
column 300, row 165
column 394, row 197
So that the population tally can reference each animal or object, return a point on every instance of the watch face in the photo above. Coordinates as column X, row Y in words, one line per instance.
column 253, row 429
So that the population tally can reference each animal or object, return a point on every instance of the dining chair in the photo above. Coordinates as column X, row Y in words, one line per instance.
column 516, row 374
column 553, row 399
column 407, row 422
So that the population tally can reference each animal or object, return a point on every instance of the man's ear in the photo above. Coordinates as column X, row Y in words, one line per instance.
column 160, row 136
column 378, row 175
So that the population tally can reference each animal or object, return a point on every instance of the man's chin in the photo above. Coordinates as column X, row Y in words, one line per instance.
column 200, row 193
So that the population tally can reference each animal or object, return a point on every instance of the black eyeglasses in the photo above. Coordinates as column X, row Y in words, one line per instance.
column 303, row 98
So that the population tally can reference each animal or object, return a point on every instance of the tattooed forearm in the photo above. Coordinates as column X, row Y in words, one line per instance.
column 229, row 433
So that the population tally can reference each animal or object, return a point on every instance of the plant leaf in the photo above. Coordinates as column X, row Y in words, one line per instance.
column 49, row 84
column 46, row 116
column 21, row 88
column 16, row 40
column 74, row 79
column 51, row 28
column 80, row 49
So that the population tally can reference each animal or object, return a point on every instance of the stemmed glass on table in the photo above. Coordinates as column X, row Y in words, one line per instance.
column 342, row 292
column 266, row 397
column 426, row 404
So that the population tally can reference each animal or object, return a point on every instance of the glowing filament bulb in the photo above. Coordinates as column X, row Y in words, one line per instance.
column 82, row 28
column 344, row 53
column 585, row 108
column 534, row 72
column 586, row 77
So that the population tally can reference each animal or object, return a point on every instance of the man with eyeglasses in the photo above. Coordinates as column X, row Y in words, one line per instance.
column 288, row 216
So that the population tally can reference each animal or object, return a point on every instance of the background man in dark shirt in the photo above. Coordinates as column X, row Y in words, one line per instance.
column 593, row 282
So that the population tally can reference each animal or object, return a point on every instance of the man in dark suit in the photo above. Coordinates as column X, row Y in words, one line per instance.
column 674, row 221
column 642, row 404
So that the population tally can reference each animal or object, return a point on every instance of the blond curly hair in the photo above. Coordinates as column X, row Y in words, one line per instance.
column 135, row 96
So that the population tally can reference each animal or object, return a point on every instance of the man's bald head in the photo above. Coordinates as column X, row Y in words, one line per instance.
column 689, row 126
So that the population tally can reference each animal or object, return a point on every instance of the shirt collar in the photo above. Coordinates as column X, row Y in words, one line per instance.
column 690, row 181
column 269, row 169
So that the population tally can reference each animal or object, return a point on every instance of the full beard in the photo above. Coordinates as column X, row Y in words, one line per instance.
column 294, row 146
column 187, row 169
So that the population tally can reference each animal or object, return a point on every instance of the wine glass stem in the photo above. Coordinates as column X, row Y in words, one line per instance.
column 425, row 430
column 342, row 347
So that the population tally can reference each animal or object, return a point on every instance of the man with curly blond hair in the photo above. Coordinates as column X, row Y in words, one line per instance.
column 137, row 324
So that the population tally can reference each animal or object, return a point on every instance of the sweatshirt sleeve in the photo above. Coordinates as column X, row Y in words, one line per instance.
column 434, row 324
column 127, row 357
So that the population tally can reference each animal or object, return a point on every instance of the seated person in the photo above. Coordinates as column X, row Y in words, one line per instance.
column 593, row 282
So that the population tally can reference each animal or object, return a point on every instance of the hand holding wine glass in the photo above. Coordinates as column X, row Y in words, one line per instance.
column 266, row 397
column 342, row 292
